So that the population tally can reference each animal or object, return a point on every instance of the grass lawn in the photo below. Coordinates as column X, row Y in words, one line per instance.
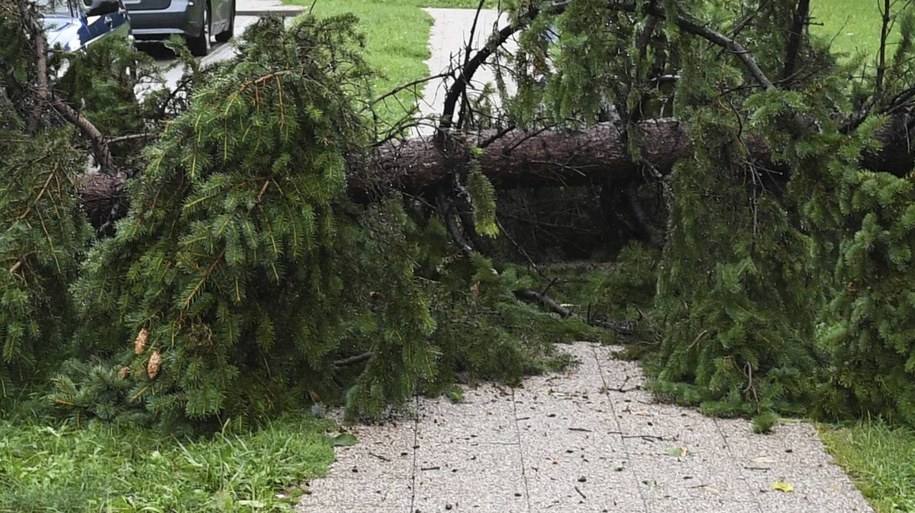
column 106, row 468
column 881, row 460
column 397, row 32
column 397, row 36
column 852, row 25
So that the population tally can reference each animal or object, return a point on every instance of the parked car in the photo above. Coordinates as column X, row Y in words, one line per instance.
column 196, row 20
column 72, row 25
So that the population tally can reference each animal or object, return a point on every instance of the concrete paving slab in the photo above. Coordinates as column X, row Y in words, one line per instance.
column 656, row 429
column 586, row 353
column 583, row 379
column 486, row 416
column 574, row 458
column 383, row 450
column 464, row 477
column 581, row 423
column 700, row 506
column 618, row 375
column 693, row 477
column 792, row 454
column 566, row 443
column 567, row 383
column 335, row 494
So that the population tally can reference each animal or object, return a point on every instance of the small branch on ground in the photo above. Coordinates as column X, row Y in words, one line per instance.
column 353, row 360
column 532, row 296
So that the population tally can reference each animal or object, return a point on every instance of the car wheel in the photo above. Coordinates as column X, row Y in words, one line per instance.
column 199, row 45
column 230, row 30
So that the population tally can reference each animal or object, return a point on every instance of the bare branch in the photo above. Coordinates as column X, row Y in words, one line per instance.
column 29, row 18
column 353, row 360
column 532, row 296
column 795, row 36
column 408, row 85
column 132, row 137
column 881, row 54
column 737, row 49
column 691, row 26
column 470, row 67
column 100, row 148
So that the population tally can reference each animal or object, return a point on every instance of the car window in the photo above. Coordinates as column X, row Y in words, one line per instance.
column 55, row 7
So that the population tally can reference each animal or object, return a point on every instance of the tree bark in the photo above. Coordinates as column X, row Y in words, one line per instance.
column 548, row 157
column 551, row 157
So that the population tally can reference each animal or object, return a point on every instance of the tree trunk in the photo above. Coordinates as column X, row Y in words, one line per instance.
column 549, row 157
column 527, row 159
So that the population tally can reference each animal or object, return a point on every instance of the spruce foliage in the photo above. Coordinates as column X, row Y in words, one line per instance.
column 737, row 305
column 780, row 302
column 242, row 271
column 43, row 239
column 245, row 280
column 869, row 327
column 773, row 294
column 735, row 293
column 43, row 233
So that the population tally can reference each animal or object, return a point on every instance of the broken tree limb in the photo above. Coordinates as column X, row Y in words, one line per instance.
column 353, row 360
column 44, row 97
column 532, row 296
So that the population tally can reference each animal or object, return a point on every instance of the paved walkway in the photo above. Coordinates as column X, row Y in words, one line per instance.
column 589, row 440
column 258, row 8
column 448, row 39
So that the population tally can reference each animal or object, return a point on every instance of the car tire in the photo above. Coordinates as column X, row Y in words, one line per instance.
column 230, row 31
column 199, row 45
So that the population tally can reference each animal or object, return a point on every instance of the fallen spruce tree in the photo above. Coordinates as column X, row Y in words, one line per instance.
column 242, row 280
column 245, row 277
column 546, row 157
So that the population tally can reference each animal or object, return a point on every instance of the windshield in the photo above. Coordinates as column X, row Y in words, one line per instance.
column 60, row 7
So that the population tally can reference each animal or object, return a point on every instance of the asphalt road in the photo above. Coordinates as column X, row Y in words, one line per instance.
column 172, row 69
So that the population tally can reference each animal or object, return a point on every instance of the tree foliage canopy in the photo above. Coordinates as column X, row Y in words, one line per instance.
column 245, row 279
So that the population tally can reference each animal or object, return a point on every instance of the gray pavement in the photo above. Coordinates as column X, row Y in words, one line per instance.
column 449, row 38
column 172, row 70
column 247, row 13
column 260, row 8
column 588, row 440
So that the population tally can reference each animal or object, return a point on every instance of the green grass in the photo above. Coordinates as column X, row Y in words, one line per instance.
column 852, row 26
column 397, row 36
column 106, row 468
column 880, row 459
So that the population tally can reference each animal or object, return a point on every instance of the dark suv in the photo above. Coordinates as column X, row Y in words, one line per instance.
column 196, row 20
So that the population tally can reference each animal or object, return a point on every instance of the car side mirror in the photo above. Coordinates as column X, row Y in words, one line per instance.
column 100, row 7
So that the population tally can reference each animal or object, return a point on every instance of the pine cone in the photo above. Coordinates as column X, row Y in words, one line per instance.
column 139, row 345
column 155, row 362
column 123, row 372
